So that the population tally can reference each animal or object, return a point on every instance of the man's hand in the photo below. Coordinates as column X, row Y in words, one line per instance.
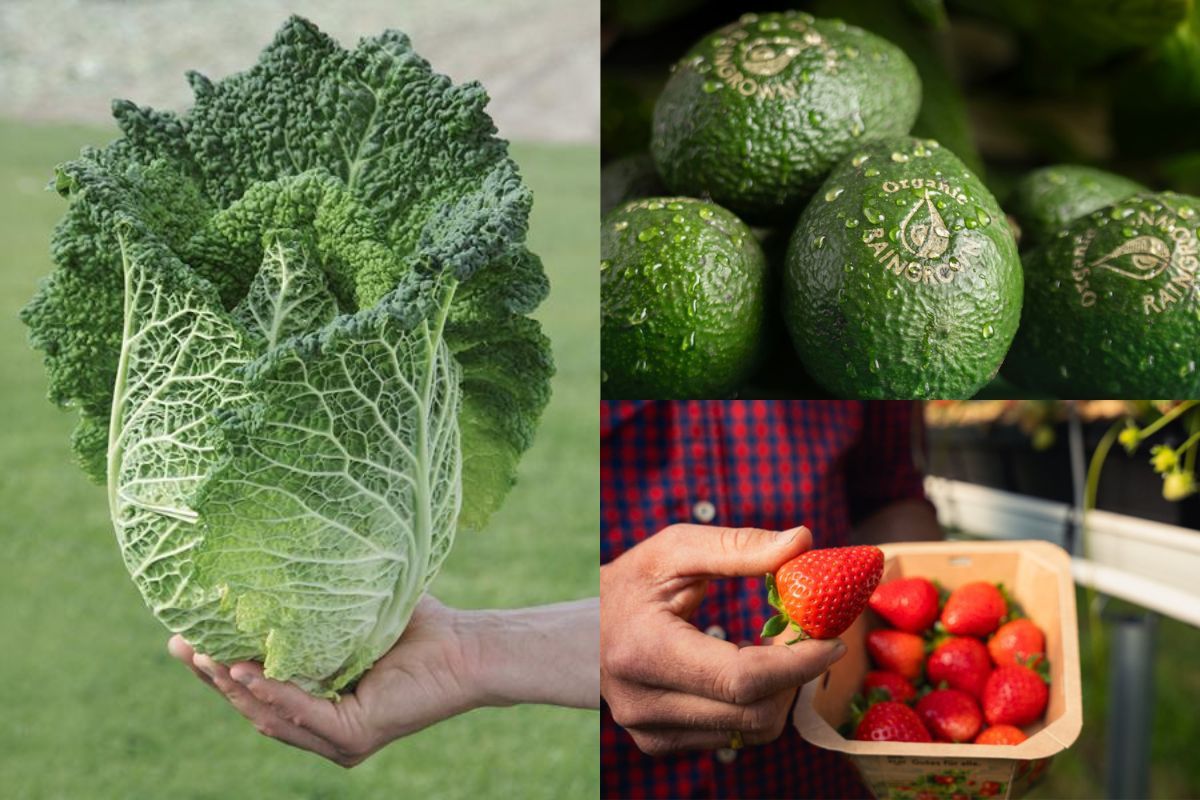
column 671, row 686
column 447, row 662
column 417, row 683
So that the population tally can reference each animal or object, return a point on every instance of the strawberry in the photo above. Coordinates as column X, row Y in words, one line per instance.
column 989, row 789
column 1017, row 642
column 910, row 604
column 891, row 722
column 974, row 609
column 897, row 651
column 951, row 715
column 1014, row 695
column 820, row 593
column 1001, row 734
column 895, row 684
column 962, row 662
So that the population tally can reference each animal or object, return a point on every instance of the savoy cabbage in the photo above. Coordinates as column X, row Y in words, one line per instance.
column 294, row 321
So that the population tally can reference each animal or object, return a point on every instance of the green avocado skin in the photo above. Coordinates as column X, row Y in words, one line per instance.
column 903, row 279
column 1111, row 304
column 682, row 300
column 1047, row 199
column 758, row 112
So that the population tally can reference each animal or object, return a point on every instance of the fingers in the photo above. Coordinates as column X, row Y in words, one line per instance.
column 664, row 742
column 710, row 667
column 263, row 717
column 180, row 650
column 759, row 722
column 710, row 551
column 288, row 701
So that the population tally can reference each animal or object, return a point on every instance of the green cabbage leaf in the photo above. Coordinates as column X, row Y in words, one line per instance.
column 295, row 323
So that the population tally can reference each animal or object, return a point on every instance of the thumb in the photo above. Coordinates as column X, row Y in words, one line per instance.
column 711, row 551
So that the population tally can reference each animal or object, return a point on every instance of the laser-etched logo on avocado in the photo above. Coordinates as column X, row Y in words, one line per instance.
column 751, row 57
column 923, row 231
column 1142, row 258
column 1162, row 257
column 919, row 248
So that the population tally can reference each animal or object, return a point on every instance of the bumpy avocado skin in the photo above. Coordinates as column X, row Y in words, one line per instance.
column 758, row 112
column 682, row 300
column 1111, row 304
column 1047, row 199
column 903, row 279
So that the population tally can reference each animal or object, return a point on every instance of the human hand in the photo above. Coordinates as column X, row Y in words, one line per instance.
column 673, row 687
column 426, row 677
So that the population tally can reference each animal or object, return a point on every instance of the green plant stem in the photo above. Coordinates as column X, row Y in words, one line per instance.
column 1166, row 419
column 1089, row 504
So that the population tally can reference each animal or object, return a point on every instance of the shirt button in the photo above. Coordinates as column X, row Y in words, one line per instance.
column 715, row 630
column 726, row 755
column 704, row 511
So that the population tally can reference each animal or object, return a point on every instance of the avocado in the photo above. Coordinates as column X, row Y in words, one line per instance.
column 1111, row 304
column 1045, row 200
column 903, row 279
column 682, row 284
column 759, row 111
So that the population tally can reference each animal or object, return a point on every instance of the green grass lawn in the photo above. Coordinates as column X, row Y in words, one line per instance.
column 91, row 706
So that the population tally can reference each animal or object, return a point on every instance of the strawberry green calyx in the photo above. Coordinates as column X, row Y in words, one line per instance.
column 781, row 621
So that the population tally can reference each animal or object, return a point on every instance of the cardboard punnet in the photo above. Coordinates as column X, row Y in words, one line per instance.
column 1038, row 576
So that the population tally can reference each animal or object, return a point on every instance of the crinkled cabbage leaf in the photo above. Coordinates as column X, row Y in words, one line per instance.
column 294, row 321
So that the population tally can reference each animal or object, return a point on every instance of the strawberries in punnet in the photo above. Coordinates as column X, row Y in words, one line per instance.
column 897, row 687
column 820, row 593
column 897, row 651
column 891, row 722
column 962, row 662
column 974, row 609
column 1001, row 734
column 950, row 715
column 1014, row 695
column 1017, row 642
column 910, row 604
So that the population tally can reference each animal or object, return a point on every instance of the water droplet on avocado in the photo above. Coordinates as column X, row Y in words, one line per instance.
column 892, row 293
column 620, row 225
column 641, row 366
column 833, row 194
column 870, row 172
column 899, row 157
column 710, row 86
column 983, row 217
column 1187, row 212
column 1128, row 232
column 649, row 234
column 1063, row 372
column 988, row 331
column 818, row 242
column 638, row 317
column 676, row 206
column 705, row 213
column 815, row 118
column 852, row 223
column 1121, row 212
column 872, row 214
column 873, row 365
column 971, row 223
column 859, row 159
column 851, row 52
column 677, row 219
column 605, row 264
column 848, row 268
column 688, row 342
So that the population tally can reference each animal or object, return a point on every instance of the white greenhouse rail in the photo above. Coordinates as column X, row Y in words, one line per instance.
column 1149, row 563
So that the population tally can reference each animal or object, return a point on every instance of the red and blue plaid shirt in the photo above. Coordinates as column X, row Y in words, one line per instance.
column 765, row 464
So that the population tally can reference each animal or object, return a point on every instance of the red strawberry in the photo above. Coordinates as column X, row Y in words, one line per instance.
column 897, row 651
column 891, row 722
column 1001, row 734
column 1014, row 695
column 910, row 604
column 962, row 662
column 950, row 715
column 989, row 788
column 974, row 609
column 944, row 780
column 1017, row 642
column 820, row 593
column 897, row 687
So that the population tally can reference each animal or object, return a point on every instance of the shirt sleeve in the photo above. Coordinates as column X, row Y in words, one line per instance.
column 882, row 469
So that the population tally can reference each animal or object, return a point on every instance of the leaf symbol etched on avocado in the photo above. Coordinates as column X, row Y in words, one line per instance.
column 766, row 57
column 923, row 231
column 1148, row 255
